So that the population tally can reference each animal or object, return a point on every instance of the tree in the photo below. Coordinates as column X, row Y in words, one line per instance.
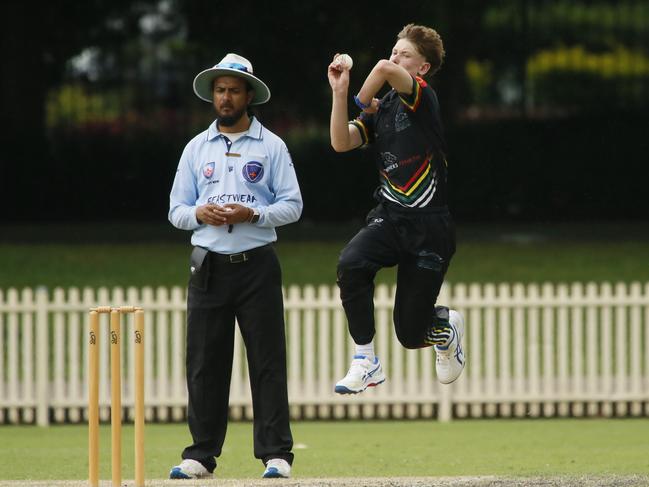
column 36, row 41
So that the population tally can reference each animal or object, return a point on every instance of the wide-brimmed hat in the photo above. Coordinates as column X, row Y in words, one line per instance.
column 231, row 65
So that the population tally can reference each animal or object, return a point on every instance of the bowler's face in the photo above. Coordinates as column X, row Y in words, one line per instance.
column 231, row 97
column 406, row 55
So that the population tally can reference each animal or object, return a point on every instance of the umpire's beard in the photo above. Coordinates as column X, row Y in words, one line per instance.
column 232, row 119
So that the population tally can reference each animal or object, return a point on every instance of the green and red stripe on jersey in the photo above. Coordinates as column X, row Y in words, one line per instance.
column 409, row 192
column 413, row 100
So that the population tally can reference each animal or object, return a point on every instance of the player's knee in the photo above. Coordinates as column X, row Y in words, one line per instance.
column 352, row 271
column 409, row 341
column 413, row 334
column 406, row 335
column 352, row 277
column 349, row 259
column 431, row 261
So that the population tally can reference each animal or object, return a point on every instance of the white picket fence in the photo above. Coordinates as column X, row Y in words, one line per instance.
column 533, row 350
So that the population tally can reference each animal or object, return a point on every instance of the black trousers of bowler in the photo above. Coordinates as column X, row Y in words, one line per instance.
column 251, row 292
column 421, row 243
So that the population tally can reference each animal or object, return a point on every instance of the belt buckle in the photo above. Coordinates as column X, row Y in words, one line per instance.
column 238, row 258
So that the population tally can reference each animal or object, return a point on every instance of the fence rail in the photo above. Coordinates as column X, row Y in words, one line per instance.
column 533, row 350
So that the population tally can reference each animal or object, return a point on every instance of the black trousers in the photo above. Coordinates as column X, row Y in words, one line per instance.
column 421, row 243
column 251, row 292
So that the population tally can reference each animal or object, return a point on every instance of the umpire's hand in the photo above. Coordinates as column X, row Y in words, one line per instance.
column 236, row 213
column 229, row 214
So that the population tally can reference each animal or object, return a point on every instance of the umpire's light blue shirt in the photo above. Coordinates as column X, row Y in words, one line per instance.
column 255, row 171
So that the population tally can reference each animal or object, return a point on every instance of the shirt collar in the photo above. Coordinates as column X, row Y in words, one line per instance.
column 254, row 131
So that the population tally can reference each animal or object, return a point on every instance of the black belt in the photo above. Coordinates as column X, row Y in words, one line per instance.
column 239, row 257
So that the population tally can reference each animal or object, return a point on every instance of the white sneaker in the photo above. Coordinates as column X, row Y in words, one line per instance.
column 450, row 358
column 363, row 373
column 190, row 469
column 277, row 468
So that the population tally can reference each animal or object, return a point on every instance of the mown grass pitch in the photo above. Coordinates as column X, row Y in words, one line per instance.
column 359, row 449
column 464, row 481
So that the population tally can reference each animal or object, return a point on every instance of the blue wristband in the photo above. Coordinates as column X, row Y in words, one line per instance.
column 360, row 104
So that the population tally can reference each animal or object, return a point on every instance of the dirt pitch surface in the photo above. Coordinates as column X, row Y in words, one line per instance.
column 482, row 481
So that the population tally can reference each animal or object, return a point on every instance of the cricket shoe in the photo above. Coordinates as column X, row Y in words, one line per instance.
column 450, row 358
column 277, row 468
column 190, row 469
column 363, row 373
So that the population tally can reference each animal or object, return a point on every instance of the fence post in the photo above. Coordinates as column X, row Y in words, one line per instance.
column 42, row 357
column 444, row 414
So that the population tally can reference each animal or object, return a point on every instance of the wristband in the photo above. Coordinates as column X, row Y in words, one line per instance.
column 360, row 104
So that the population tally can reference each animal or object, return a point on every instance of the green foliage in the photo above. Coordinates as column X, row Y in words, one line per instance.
column 574, row 76
column 117, row 111
column 480, row 76
column 594, row 21
column 618, row 63
column 585, row 55
column 602, row 42
column 73, row 104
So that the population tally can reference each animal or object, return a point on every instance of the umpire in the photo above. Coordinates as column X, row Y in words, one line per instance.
column 235, row 183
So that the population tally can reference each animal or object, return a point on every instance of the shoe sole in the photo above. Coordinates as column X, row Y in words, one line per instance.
column 451, row 381
column 345, row 390
column 176, row 474
column 179, row 475
column 273, row 475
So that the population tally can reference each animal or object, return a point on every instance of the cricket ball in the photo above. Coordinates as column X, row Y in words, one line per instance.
column 345, row 61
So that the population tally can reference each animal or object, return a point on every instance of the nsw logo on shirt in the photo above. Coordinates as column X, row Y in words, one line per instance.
column 208, row 170
column 253, row 171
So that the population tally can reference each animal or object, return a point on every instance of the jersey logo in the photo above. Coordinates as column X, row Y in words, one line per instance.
column 253, row 171
column 389, row 161
column 401, row 122
column 208, row 170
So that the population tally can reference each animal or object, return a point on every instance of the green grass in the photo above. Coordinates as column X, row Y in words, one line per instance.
column 504, row 254
column 315, row 263
column 359, row 449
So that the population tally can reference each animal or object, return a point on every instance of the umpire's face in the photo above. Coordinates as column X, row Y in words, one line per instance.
column 231, row 96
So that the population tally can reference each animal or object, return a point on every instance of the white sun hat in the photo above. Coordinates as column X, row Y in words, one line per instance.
column 231, row 65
